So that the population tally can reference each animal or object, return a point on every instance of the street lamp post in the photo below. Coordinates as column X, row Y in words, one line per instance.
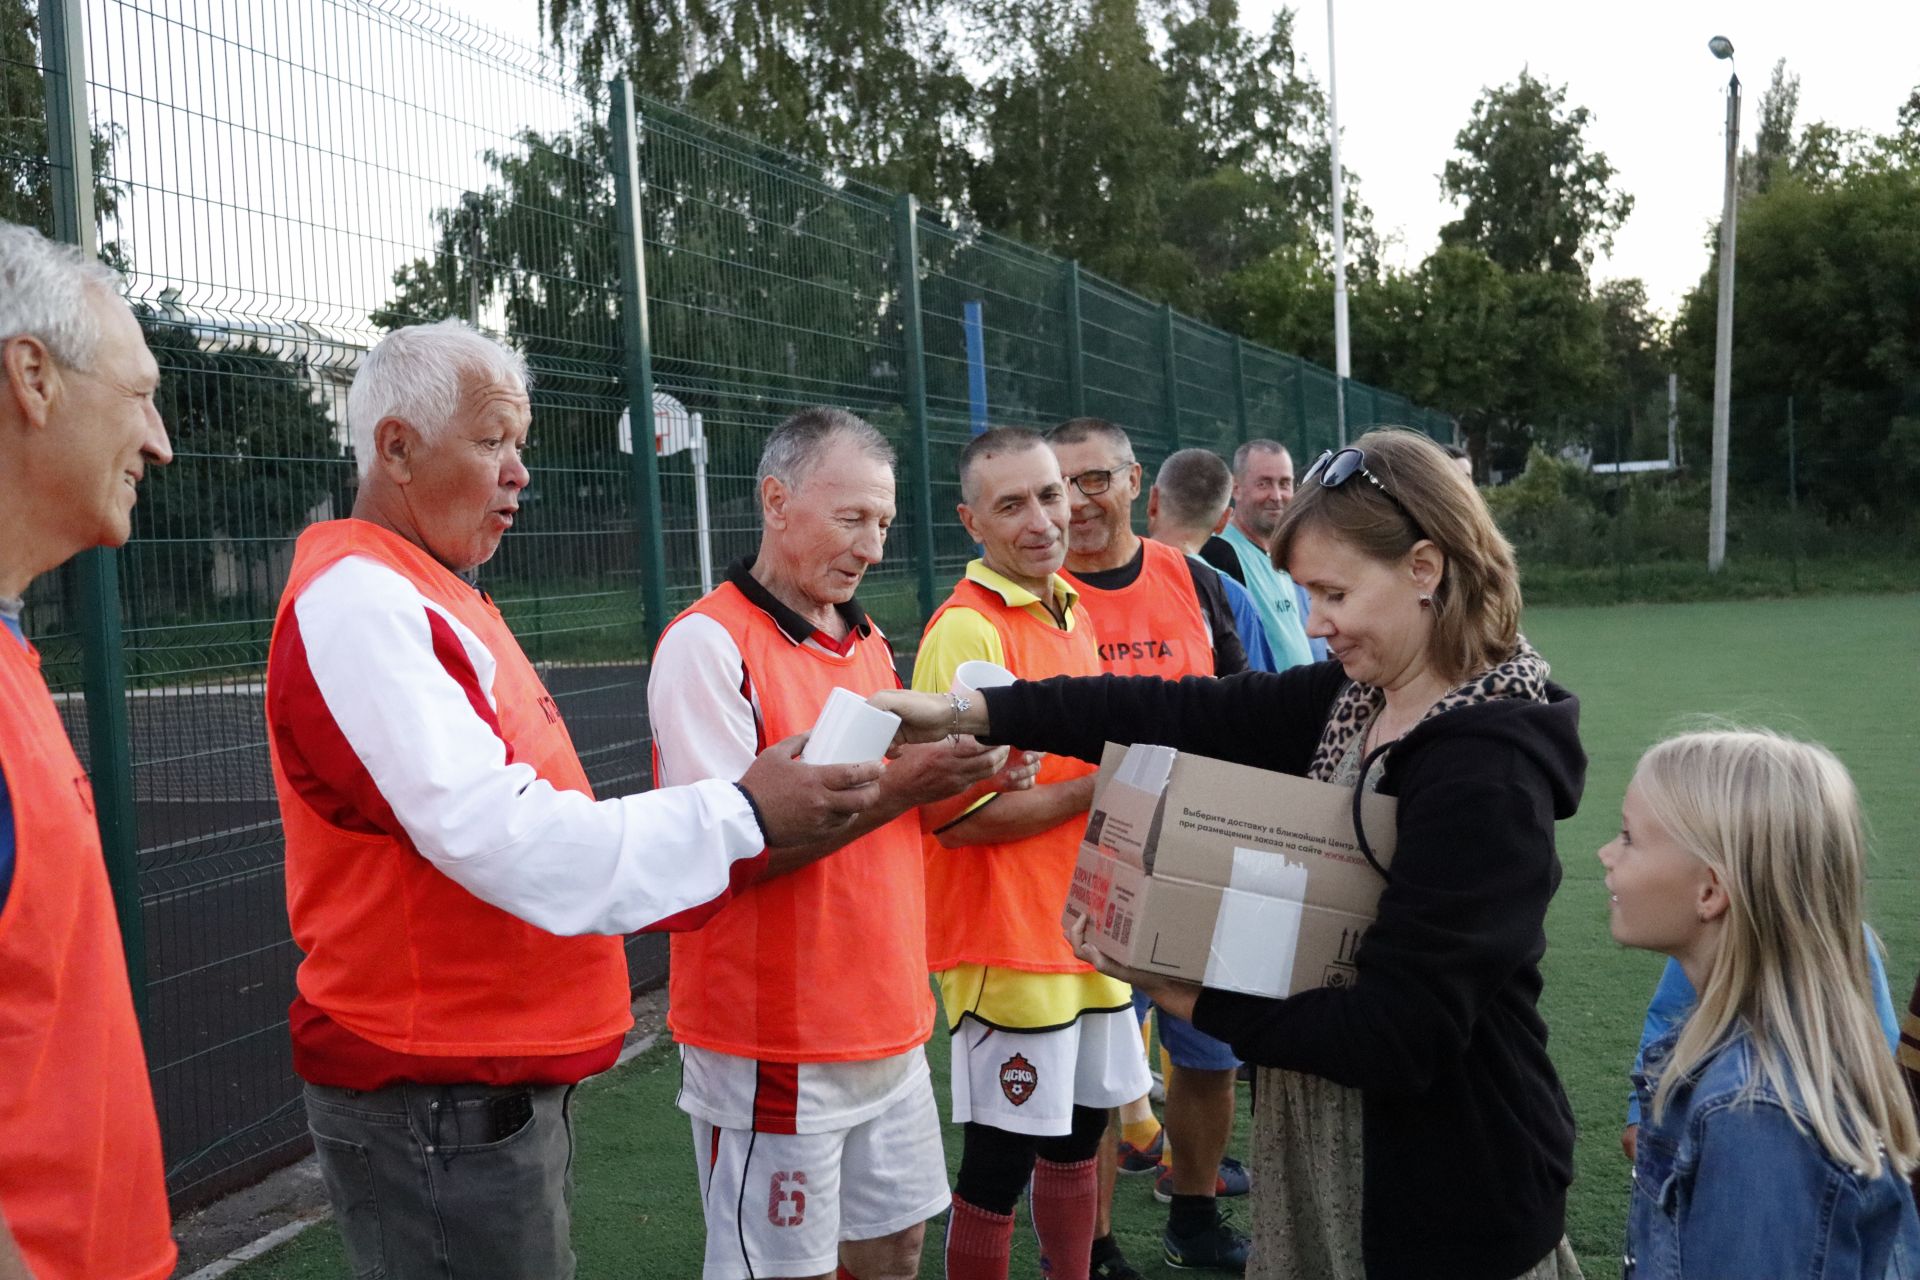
column 1342, row 356
column 1723, row 340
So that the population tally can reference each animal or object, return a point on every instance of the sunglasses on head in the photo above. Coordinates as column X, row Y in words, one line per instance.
column 1335, row 467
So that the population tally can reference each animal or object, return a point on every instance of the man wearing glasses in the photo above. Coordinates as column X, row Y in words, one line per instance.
column 1262, row 488
column 1158, row 612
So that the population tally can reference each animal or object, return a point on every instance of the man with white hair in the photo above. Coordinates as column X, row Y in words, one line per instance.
column 82, row 1184
column 802, row 1009
column 457, row 891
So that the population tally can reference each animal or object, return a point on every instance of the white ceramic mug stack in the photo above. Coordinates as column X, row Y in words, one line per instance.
column 849, row 731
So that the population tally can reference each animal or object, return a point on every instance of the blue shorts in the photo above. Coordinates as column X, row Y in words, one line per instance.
column 1194, row 1050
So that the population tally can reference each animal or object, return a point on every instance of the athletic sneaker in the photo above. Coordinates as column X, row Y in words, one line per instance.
column 1232, row 1180
column 1218, row 1248
column 1132, row 1159
column 1114, row 1267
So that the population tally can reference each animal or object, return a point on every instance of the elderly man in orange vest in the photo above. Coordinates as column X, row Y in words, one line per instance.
column 82, row 1189
column 1158, row 612
column 457, row 890
column 1043, row 1045
column 802, row 1008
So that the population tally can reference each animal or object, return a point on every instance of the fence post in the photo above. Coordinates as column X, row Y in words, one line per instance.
column 1240, row 387
column 96, row 573
column 1076, row 347
column 629, row 218
column 1619, row 515
column 1169, row 372
column 1793, row 506
column 1305, row 452
column 906, row 226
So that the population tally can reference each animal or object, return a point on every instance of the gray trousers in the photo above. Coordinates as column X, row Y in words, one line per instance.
column 449, row 1182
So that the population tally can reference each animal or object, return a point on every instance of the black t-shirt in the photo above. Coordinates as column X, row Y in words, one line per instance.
column 1220, row 554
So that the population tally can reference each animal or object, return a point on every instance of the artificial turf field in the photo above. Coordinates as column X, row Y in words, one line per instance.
column 1843, row 670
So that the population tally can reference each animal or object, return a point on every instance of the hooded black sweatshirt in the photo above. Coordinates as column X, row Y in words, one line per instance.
column 1468, row 1146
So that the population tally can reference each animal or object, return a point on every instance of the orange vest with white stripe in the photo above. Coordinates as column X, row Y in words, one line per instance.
column 827, row 963
column 82, row 1185
column 1000, row 904
column 397, row 952
column 1154, row 625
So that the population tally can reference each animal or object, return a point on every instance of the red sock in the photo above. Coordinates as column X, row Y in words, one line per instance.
column 979, row 1242
column 1064, row 1198
column 841, row 1273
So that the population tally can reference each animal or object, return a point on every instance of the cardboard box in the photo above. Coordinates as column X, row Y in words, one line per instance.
column 1227, row 876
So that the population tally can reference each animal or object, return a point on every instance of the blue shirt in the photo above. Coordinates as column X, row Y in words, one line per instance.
column 10, row 623
column 1673, row 1000
column 1273, row 595
column 1246, row 620
column 1314, row 643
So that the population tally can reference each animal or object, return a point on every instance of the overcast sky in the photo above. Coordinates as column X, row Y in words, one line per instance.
column 1409, row 73
column 1410, row 70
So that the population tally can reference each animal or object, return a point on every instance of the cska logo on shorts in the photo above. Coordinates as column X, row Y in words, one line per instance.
column 1018, row 1079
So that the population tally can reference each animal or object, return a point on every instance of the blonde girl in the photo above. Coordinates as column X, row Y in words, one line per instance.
column 1776, row 1133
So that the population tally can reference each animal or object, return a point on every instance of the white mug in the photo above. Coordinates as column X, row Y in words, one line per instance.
column 971, row 677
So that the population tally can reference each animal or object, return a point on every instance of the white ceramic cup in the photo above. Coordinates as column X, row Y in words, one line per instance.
column 971, row 677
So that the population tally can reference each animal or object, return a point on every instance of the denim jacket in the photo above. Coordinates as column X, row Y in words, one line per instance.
column 1725, row 1187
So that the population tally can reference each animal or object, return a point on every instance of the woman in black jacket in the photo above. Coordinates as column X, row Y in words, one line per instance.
column 1410, row 1124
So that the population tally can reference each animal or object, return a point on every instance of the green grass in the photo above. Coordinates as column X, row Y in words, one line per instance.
column 1741, row 578
column 1842, row 670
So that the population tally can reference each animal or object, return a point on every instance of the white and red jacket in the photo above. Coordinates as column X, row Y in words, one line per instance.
column 445, row 855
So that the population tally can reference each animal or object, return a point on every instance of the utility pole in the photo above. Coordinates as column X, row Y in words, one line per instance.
column 1342, row 356
column 1723, row 342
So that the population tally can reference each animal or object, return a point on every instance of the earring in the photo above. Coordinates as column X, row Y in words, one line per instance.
column 1426, row 602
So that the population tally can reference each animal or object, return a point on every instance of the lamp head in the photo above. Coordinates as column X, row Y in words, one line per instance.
column 1721, row 47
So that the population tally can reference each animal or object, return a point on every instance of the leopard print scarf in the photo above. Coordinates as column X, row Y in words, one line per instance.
column 1524, row 675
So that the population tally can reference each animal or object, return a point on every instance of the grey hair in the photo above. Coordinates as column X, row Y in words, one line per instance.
column 1081, row 430
column 798, row 444
column 44, row 294
column 418, row 375
column 1195, row 487
column 1252, row 447
column 995, row 442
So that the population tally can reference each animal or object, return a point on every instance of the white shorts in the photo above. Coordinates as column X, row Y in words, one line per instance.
column 1030, row 1081
column 779, row 1204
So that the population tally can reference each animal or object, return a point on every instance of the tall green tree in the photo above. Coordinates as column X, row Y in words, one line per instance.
column 1902, row 146
column 1634, row 393
column 1254, row 163
column 255, row 457
column 1827, row 311
column 1079, row 155
column 1534, row 195
column 252, row 443
column 1164, row 161
column 26, row 173
column 1772, row 154
column 873, row 88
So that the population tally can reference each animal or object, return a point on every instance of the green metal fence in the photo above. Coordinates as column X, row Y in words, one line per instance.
column 285, row 182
